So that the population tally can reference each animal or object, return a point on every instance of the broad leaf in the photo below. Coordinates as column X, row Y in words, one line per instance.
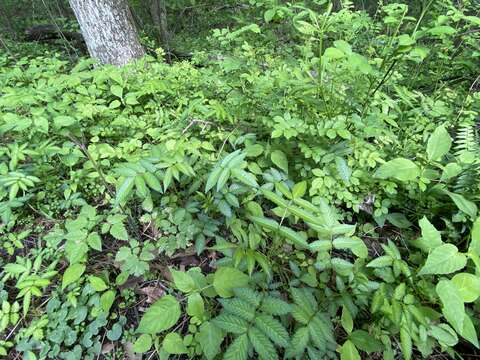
column 72, row 274
column 453, row 308
column 210, row 338
column 226, row 279
column 160, row 316
column 444, row 259
column 438, row 144
column 400, row 169
column 468, row 286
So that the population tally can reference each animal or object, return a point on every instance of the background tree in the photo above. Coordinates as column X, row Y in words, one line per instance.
column 108, row 30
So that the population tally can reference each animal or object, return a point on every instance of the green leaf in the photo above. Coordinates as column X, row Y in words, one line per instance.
column 444, row 259
column 405, row 343
column 453, row 308
column 354, row 244
column 262, row 345
column 152, row 182
column 238, row 350
column 279, row 158
column 97, row 283
column 195, row 305
column 299, row 342
column 469, row 332
column 431, row 237
column 226, row 279
column 210, row 338
column 468, row 286
column 173, row 344
column 124, row 190
column 245, row 177
column 346, row 320
column 107, row 299
column 269, row 14
column 381, row 261
column 438, row 144
column 183, row 281
column 119, row 232
column 365, row 341
column 231, row 323
column 467, row 206
column 343, row 169
column 273, row 329
column 349, row 351
column 213, row 178
column 475, row 242
column 72, row 274
column 400, row 169
column 116, row 90
column 142, row 344
column 94, row 241
column 160, row 316
column 299, row 189
column 63, row 121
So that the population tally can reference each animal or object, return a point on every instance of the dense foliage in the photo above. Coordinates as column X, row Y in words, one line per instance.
column 304, row 187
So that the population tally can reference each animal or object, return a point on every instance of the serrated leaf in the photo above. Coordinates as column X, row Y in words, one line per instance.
column 173, row 344
column 210, row 338
column 262, row 345
column 238, row 308
column 160, row 316
column 444, row 259
column 275, row 306
column 119, row 232
column 231, row 323
column 245, row 177
column 299, row 342
column 273, row 329
column 238, row 350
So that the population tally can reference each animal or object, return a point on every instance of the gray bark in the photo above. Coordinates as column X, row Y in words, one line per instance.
column 159, row 17
column 108, row 30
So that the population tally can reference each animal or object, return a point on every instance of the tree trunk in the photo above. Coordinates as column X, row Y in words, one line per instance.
column 108, row 30
column 159, row 17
